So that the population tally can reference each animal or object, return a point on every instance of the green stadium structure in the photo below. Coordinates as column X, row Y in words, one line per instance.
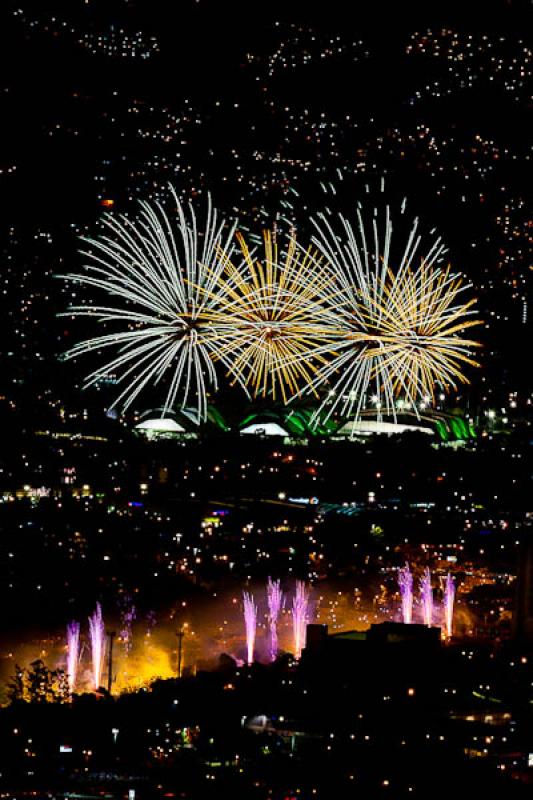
column 302, row 424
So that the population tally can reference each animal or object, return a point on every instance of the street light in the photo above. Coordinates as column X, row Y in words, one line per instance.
column 180, row 634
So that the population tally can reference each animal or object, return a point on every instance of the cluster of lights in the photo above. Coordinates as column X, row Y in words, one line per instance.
column 300, row 46
column 114, row 42
column 470, row 58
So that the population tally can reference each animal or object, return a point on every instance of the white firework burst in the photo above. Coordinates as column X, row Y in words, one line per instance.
column 400, row 318
column 162, row 273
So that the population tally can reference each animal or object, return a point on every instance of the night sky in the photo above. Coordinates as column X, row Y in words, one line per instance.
column 109, row 102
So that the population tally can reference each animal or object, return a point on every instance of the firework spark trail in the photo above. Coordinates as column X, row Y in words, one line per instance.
column 300, row 613
column 273, row 320
column 400, row 322
column 275, row 602
column 163, row 275
column 405, row 583
column 151, row 620
column 73, row 654
column 128, row 614
column 250, row 622
column 449, row 599
column 426, row 597
column 97, row 637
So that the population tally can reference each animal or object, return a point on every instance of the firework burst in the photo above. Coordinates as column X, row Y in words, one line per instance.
column 401, row 318
column 162, row 274
column 350, row 313
column 273, row 321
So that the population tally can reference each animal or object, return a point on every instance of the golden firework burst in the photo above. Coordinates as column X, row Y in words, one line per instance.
column 413, row 332
column 400, row 323
column 273, row 324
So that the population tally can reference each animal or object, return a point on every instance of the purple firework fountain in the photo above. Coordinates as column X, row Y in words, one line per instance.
column 449, row 599
column 300, row 607
column 426, row 597
column 250, row 621
column 275, row 602
column 405, row 582
column 97, row 636
column 73, row 653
